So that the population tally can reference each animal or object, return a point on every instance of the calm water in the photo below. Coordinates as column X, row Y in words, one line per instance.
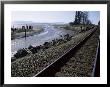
column 48, row 34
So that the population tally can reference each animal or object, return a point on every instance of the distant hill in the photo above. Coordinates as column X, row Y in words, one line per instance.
column 22, row 22
column 31, row 22
column 18, row 24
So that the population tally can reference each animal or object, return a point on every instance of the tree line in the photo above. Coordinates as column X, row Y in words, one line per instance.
column 81, row 17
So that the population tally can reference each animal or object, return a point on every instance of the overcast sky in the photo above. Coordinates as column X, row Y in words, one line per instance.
column 51, row 16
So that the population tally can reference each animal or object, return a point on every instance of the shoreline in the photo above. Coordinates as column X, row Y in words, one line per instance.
column 22, row 34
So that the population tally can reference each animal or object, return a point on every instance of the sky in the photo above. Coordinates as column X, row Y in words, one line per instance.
column 51, row 16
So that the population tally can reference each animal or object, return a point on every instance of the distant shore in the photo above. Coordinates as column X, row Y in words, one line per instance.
column 28, row 33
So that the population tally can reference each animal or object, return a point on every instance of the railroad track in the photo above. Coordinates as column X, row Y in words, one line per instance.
column 83, row 62
column 55, row 66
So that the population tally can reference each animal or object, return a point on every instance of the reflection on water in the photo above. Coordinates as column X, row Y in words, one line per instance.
column 48, row 34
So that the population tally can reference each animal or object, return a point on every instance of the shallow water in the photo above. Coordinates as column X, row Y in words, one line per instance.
column 47, row 35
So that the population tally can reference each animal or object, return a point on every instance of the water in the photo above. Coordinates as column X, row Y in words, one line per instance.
column 47, row 35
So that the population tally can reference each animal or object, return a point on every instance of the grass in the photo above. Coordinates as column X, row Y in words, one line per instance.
column 76, row 28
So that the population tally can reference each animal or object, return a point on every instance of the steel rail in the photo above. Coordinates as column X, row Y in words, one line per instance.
column 96, row 60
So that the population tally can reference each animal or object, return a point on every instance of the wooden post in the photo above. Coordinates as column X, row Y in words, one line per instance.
column 25, row 31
